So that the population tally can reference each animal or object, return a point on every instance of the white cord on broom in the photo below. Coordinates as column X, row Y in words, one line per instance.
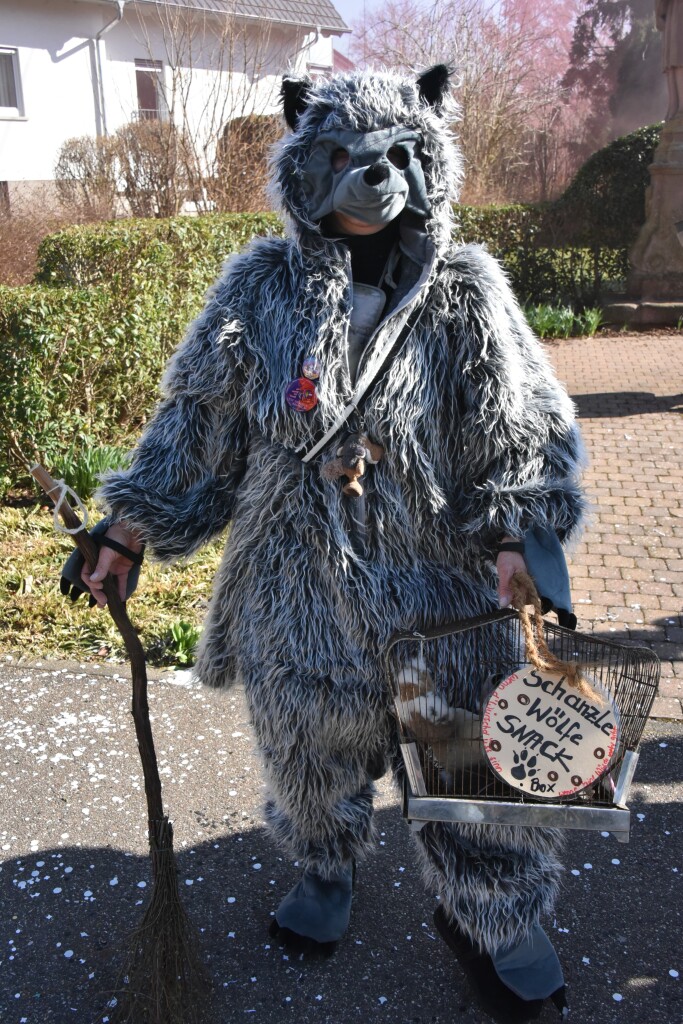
column 63, row 490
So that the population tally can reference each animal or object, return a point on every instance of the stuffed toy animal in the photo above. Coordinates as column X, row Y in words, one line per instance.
column 351, row 461
column 452, row 734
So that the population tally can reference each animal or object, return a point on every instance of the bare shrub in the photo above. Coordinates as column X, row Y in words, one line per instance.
column 25, row 219
column 157, row 167
column 509, row 56
column 85, row 174
column 242, row 164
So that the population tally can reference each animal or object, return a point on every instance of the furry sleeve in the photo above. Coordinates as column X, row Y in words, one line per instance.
column 518, row 452
column 180, row 488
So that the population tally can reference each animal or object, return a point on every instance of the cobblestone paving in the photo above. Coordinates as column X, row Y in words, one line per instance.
column 627, row 572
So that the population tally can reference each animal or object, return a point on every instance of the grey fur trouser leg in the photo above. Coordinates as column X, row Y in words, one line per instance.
column 322, row 743
column 495, row 881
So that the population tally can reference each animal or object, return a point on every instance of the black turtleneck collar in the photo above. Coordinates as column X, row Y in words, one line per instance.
column 369, row 253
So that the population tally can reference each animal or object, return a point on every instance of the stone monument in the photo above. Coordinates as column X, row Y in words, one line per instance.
column 655, row 284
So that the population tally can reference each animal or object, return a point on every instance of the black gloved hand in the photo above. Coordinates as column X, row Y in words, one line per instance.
column 71, row 584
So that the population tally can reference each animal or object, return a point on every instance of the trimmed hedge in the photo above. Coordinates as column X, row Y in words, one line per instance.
column 539, row 272
column 185, row 251
column 605, row 203
column 82, row 350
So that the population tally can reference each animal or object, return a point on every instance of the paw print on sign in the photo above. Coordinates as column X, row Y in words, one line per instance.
column 525, row 766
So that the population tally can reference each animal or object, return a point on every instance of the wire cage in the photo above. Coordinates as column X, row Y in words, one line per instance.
column 441, row 680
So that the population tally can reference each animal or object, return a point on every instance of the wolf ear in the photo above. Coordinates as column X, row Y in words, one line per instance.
column 432, row 84
column 294, row 96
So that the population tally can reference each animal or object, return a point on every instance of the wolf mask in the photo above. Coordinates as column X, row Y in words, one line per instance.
column 370, row 172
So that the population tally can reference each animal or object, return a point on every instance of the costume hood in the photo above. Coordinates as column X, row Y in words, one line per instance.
column 401, row 157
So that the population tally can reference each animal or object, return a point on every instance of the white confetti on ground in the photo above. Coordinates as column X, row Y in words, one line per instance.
column 114, row 880
column 617, row 997
column 575, row 871
column 673, row 974
column 588, row 867
column 256, row 867
column 231, row 899
column 615, row 860
column 585, row 959
column 605, row 835
column 382, row 1000
column 68, row 953
column 664, row 744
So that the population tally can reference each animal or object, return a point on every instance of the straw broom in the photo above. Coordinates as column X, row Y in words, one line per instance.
column 163, row 977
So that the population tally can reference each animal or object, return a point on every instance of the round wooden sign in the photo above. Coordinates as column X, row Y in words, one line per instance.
column 544, row 737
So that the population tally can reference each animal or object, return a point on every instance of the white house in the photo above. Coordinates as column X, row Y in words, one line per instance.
column 71, row 68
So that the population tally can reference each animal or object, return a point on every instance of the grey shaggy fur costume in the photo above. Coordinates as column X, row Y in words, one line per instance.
column 480, row 441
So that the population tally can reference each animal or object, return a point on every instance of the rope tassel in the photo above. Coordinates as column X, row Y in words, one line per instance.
column 162, row 972
column 524, row 593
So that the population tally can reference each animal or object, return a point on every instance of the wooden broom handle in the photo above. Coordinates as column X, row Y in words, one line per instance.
column 136, row 655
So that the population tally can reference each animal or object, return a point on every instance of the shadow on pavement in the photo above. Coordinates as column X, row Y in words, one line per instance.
column 626, row 403
column 67, row 913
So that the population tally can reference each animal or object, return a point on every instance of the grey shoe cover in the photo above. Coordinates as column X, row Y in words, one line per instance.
column 318, row 909
column 531, row 969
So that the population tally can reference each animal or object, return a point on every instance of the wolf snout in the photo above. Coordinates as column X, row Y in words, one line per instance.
column 376, row 174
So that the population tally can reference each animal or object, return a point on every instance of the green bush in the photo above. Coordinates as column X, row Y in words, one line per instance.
column 184, row 254
column 605, row 203
column 82, row 351
column 75, row 361
column 573, row 250
column 183, row 250
column 539, row 273
column 82, row 467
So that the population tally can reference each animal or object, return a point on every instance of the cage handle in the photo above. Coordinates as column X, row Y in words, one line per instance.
column 524, row 594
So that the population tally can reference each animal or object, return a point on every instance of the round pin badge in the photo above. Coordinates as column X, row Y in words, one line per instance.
column 547, row 739
column 300, row 394
column 311, row 367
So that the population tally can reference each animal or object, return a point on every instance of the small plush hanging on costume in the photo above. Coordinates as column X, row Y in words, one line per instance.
column 301, row 393
column 352, row 457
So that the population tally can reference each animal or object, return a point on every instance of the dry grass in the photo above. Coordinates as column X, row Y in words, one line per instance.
column 35, row 620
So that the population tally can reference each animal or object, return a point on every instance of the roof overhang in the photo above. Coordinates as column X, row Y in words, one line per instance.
column 230, row 8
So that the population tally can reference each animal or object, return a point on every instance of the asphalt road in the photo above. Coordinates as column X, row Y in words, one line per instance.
column 75, row 872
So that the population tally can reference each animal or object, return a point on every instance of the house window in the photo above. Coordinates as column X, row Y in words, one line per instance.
column 10, row 85
column 148, row 80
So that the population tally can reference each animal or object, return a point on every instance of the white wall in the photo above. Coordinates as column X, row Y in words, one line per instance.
column 57, row 80
column 55, row 40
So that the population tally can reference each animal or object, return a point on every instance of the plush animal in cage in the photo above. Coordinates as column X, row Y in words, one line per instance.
column 451, row 733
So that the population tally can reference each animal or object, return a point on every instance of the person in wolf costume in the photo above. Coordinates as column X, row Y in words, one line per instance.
column 366, row 333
